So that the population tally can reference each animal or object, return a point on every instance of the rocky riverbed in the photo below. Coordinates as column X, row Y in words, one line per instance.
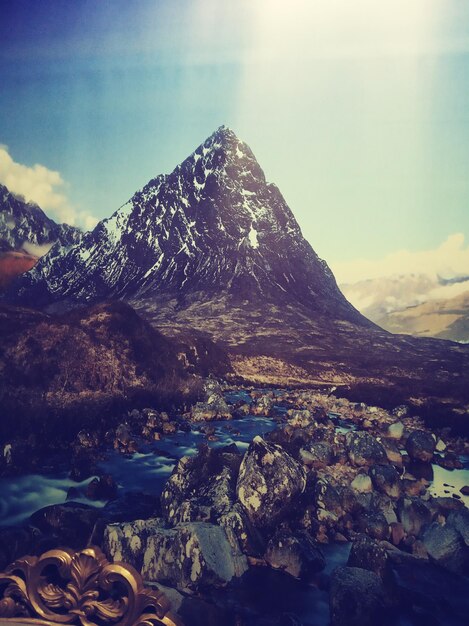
column 263, row 507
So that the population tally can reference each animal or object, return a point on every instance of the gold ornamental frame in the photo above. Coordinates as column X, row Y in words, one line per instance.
column 63, row 587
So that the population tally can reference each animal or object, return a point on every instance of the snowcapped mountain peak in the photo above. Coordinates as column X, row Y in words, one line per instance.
column 212, row 226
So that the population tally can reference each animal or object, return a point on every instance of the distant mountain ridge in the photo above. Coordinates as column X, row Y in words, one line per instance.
column 26, row 223
column 417, row 304
column 26, row 233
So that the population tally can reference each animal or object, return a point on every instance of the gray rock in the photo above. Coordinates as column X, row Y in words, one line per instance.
column 459, row 520
column 387, row 480
column 414, row 515
column 296, row 554
column 445, row 546
column 393, row 453
column 420, row 446
column 299, row 418
column 189, row 556
column 200, row 488
column 192, row 556
column 269, row 481
column 237, row 524
column 328, row 499
column 263, row 406
column 356, row 598
column 72, row 523
column 395, row 431
column 318, row 454
column 363, row 449
column 375, row 525
column 368, row 554
column 127, row 542
column 207, row 411
column 362, row 483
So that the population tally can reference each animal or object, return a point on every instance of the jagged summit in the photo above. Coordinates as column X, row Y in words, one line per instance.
column 214, row 225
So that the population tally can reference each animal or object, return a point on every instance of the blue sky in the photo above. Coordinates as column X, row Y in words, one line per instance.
column 358, row 111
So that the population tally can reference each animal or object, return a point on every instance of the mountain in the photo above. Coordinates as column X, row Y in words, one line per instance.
column 445, row 318
column 25, row 224
column 212, row 226
column 417, row 304
column 214, row 247
column 26, row 233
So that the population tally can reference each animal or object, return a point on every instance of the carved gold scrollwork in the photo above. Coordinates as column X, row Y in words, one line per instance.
column 81, row 589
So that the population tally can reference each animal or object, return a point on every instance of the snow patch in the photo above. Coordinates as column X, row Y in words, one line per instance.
column 253, row 238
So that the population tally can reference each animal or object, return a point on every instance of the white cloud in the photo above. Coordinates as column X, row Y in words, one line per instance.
column 43, row 186
column 449, row 260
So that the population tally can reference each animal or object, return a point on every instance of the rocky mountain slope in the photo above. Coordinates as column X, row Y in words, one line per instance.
column 213, row 226
column 83, row 364
column 214, row 247
column 26, row 233
column 25, row 223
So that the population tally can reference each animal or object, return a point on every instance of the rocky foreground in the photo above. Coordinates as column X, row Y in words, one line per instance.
column 332, row 473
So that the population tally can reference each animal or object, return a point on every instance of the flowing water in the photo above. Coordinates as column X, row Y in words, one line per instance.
column 262, row 591
column 148, row 469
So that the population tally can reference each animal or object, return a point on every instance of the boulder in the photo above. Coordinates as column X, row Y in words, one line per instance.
column 328, row 499
column 206, row 411
column 123, row 436
column 127, row 542
column 393, row 453
column 363, row 449
column 71, row 523
column 434, row 593
column 87, row 439
column 269, row 481
column 201, row 487
column 395, row 431
column 317, row 455
column 299, row 418
column 459, row 520
column 375, row 525
column 420, row 446
column 445, row 546
column 190, row 556
column 294, row 553
column 368, row 554
column 263, row 406
column 414, row 515
column 362, row 483
column 356, row 598
column 386, row 479
column 237, row 524
column 102, row 488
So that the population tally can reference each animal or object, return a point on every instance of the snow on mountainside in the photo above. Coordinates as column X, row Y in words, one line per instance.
column 26, row 233
column 213, row 225
column 23, row 225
